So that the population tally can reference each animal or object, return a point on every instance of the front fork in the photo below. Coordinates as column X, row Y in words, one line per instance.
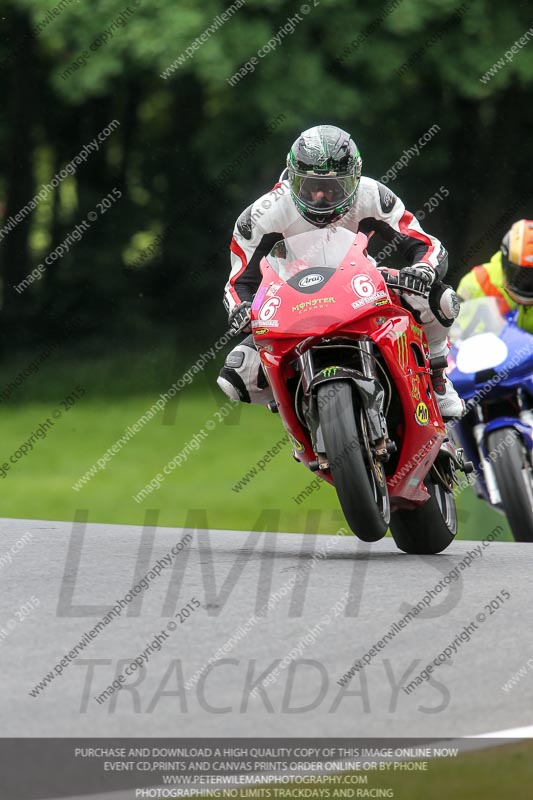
column 369, row 390
column 486, row 465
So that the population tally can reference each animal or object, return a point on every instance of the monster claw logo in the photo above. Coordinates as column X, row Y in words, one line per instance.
column 401, row 342
column 329, row 372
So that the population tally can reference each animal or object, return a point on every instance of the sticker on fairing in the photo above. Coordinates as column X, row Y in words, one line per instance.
column 258, row 299
column 422, row 413
column 310, row 280
column 375, row 298
column 273, row 289
column 363, row 286
column 257, row 323
column 269, row 309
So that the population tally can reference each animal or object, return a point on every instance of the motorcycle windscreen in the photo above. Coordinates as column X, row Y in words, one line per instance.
column 476, row 337
column 325, row 247
column 481, row 315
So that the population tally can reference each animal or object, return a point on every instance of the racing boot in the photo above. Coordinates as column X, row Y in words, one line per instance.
column 449, row 402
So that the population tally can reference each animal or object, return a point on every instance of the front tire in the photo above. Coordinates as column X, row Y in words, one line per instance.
column 359, row 481
column 427, row 529
column 514, row 478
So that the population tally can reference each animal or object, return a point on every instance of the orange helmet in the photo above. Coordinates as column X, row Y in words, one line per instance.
column 517, row 261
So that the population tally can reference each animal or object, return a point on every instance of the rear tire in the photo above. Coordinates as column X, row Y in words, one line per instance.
column 362, row 495
column 430, row 528
column 514, row 478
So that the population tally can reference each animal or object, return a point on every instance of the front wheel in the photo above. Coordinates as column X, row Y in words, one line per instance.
column 512, row 470
column 427, row 529
column 358, row 478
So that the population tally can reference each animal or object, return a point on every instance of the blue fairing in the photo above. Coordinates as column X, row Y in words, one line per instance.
column 491, row 366
column 514, row 371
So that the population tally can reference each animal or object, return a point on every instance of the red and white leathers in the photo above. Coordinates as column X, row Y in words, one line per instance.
column 274, row 216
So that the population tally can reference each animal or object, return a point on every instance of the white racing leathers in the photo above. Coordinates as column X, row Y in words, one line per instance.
column 274, row 216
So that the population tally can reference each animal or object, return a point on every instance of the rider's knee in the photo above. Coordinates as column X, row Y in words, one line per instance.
column 444, row 303
column 242, row 377
column 435, row 313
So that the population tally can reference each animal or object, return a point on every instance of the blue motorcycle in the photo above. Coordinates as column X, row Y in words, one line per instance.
column 491, row 366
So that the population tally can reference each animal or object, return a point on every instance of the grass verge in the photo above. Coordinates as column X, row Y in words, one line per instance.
column 220, row 481
column 490, row 774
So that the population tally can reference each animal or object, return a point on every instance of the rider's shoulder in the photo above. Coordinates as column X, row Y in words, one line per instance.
column 271, row 209
column 368, row 186
column 278, row 197
column 495, row 262
column 377, row 198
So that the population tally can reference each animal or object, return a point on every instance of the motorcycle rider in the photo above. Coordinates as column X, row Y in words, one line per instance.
column 508, row 275
column 324, row 187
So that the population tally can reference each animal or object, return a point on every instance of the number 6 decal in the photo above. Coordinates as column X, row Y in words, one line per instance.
column 363, row 286
column 269, row 308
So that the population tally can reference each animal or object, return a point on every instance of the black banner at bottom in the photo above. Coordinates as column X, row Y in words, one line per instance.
column 131, row 769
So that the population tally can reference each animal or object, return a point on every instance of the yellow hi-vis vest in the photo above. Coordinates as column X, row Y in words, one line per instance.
column 487, row 280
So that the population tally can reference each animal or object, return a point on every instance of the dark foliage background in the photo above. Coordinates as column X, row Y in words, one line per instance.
column 191, row 151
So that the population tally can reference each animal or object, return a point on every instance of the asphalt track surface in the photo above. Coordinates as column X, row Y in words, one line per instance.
column 232, row 574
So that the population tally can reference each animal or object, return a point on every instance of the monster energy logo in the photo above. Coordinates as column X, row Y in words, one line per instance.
column 329, row 371
column 401, row 342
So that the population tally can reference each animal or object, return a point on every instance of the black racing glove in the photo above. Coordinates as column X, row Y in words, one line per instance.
column 418, row 277
column 239, row 317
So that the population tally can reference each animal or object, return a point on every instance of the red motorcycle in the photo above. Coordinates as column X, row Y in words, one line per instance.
column 350, row 371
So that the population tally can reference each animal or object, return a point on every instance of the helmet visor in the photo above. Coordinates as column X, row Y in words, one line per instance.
column 323, row 193
column 519, row 282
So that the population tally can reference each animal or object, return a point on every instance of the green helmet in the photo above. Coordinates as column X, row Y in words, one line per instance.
column 324, row 167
